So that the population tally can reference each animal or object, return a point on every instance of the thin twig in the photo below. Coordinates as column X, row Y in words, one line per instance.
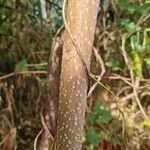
column 35, row 65
column 35, row 141
column 134, row 84
column 101, row 63
column 117, row 77
column 22, row 72
column 123, row 79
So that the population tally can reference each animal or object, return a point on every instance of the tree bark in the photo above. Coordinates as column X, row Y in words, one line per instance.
column 50, row 110
column 81, row 20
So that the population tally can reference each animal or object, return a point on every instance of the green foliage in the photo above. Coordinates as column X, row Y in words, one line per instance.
column 135, row 55
column 41, row 65
column 136, row 64
column 5, row 28
column 33, row 46
column 23, row 32
column 147, row 60
column 92, row 136
column 137, row 43
column 132, row 8
column 146, row 39
column 101, row 115
column 129, row 25
column 26, row 39
column 21, row 66
column 25, row 44
column 114, row 64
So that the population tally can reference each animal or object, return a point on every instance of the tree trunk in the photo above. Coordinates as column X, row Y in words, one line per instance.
column 50, row 110
column 81, row 20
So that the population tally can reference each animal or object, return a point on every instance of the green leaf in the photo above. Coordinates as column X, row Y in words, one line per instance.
column 92, row 136
column 131, row 9
column 33, row 46
column 129, row 25
column 99, row 114
column 147, row 60
column 135, row 45
column 113, row 64
column 136, row 63
column 123, row 3
column 21, row 66
column 92, row 118
column 97, row 106
column 123, row 22
column 104, row 116
column 5, row 28
column 132, row 26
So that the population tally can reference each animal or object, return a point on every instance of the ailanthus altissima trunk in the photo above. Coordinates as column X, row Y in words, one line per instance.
column 81, row 19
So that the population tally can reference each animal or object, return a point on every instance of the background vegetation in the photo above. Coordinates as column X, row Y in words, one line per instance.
column 117, row 113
